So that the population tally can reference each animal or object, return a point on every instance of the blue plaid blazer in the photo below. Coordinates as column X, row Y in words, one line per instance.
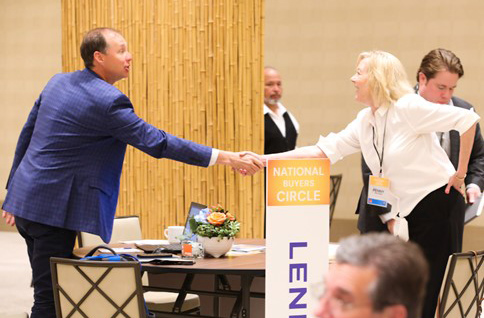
column 69, row 155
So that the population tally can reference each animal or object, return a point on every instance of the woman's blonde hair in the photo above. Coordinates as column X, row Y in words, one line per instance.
column 387, row 79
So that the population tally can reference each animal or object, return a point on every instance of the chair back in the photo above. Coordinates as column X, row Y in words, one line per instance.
column 335, row 183
column 97, row 289
column 125, row 228
column 462, row 290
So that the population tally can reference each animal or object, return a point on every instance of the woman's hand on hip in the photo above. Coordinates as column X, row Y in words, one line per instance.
column 456, row 181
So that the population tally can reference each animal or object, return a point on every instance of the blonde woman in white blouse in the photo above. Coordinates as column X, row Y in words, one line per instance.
column 396, row 135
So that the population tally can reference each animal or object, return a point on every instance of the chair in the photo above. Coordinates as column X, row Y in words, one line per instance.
column 335, row 183
column 97, row 289
column 128, row 228
column 463, row 286
column 125, row 228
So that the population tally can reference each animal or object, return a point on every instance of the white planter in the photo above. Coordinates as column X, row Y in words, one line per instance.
column 216, row 246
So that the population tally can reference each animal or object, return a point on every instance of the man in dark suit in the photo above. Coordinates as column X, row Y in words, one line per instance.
column 67, row 165
column 437, row 79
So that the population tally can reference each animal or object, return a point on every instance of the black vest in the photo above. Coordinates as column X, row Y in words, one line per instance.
column 274, row 141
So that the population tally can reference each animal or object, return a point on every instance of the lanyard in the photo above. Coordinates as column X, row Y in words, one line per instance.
column 382, row 144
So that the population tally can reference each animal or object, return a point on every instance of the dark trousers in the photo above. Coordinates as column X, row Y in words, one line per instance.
column 436, row 224
column 43, row 242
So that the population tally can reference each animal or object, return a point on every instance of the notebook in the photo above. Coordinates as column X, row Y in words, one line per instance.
column 474, row 210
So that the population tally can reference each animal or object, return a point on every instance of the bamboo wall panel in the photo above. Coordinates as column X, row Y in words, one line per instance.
column 196, row 73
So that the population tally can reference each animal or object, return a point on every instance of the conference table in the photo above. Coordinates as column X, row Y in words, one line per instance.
column 246, row 267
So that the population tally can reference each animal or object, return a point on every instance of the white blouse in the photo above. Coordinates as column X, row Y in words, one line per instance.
column 413, row 159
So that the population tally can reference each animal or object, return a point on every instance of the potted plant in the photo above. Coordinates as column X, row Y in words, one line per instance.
column 215, row 228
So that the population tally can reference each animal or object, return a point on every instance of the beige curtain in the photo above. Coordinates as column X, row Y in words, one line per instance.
column 197, row 74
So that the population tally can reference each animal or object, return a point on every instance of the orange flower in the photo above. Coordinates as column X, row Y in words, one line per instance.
column 230, row 216
column 216, row 218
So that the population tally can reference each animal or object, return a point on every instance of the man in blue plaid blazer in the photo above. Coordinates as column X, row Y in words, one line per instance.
column 67, row 166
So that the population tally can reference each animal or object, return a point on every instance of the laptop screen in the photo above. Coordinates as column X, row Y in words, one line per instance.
column 194, row 209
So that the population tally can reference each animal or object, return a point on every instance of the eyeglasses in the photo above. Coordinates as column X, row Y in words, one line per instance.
column 337, row 303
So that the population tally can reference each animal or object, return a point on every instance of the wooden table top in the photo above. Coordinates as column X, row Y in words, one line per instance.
column 252, row 264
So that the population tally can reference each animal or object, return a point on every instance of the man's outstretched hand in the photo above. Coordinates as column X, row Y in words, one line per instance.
column 247, row 163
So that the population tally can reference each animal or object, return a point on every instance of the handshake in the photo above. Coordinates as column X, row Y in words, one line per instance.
column 245, row 162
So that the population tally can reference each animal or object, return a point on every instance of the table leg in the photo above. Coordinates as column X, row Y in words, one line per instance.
column 187, row 285
column 215, row 298
column 245, row 283
column 219, row 280
column 236, row 309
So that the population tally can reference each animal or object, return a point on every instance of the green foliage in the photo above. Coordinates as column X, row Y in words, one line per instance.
column 207, row 223
column 193, row 225
column 227, row 229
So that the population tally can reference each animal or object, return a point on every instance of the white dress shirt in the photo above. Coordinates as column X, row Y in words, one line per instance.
column 214, row 157
column 413, row 159
column 279, row 120
column 444, row 137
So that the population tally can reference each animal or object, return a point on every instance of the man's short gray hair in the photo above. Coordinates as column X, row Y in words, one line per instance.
column 402, row 271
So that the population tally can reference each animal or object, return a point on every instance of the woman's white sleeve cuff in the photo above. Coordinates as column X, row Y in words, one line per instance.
column 327, row 145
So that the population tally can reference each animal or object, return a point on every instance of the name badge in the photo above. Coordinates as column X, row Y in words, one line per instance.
column 378, row 191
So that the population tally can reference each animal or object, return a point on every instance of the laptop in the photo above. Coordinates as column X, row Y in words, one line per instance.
column 187, row 232
column 194, row 209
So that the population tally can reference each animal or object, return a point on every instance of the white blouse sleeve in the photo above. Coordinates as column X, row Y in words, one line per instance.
column 426, row 117
column 339, row 145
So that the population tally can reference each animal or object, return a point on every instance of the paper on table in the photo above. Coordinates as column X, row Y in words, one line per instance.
column 236, row 253
column 147, row 242
column 245, row 248
column 121, row 250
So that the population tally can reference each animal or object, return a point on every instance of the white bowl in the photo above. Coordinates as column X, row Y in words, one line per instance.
column 216, row 246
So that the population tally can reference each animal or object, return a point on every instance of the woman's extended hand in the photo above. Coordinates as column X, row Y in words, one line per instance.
column 247, row 163
column 261, row 158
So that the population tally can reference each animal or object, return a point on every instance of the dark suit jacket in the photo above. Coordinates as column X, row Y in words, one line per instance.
column 368, row 221
column 69, row 155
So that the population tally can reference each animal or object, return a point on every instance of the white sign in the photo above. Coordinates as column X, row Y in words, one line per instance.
column 297, row 235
